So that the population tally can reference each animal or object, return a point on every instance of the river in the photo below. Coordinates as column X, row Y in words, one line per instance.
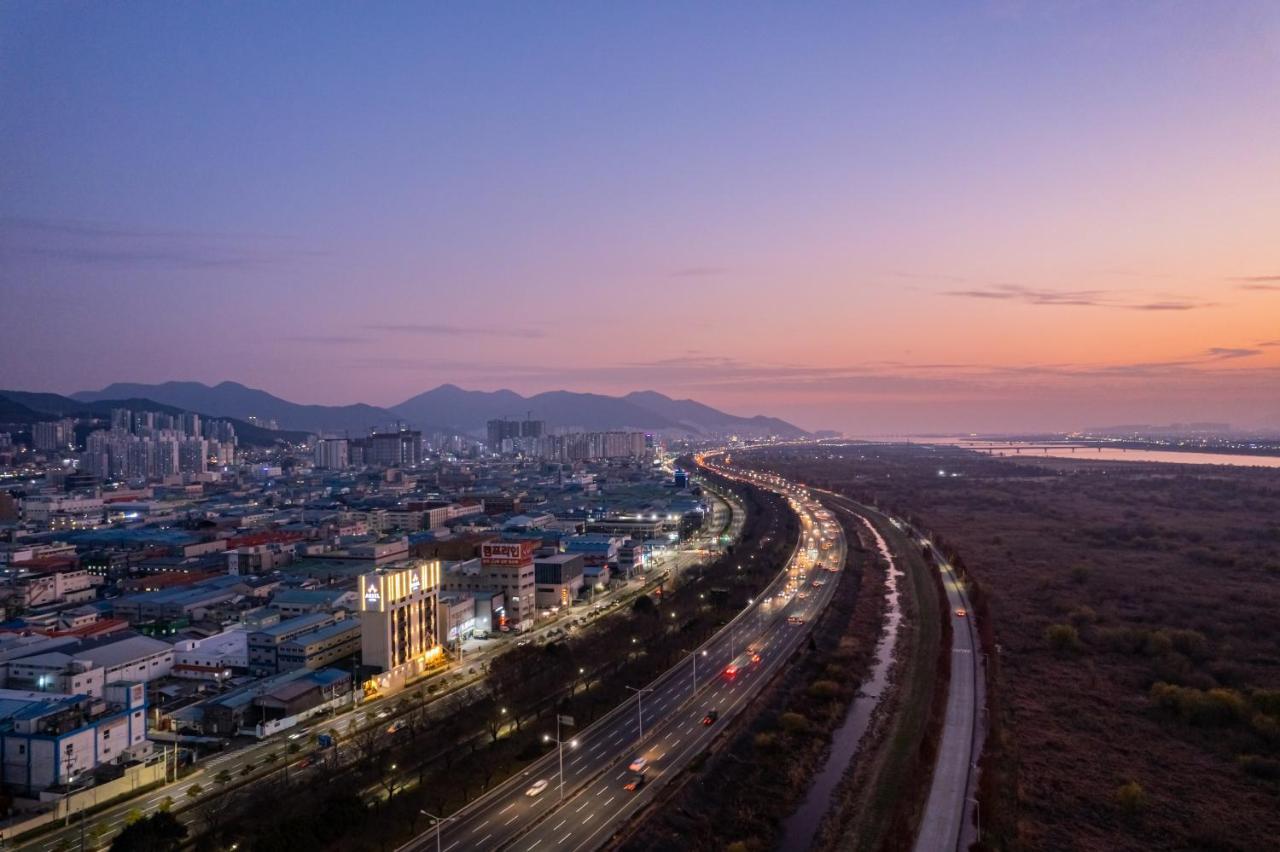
column 1117, row 454
column 799, row 828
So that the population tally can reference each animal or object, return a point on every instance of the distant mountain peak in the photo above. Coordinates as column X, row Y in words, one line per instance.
column 451, row 408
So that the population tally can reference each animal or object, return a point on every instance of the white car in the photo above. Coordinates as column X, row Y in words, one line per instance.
column 538, row 787
column 638, row 764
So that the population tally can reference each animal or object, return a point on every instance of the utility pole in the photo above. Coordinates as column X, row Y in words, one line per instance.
column 70, row 762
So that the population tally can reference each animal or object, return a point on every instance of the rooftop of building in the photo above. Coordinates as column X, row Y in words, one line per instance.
column 347, row 625
column 299, row 622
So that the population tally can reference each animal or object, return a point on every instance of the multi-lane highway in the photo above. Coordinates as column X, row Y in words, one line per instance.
column 664, row 725
column 727, row 518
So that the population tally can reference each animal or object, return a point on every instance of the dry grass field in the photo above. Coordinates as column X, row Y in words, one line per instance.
column 1136, row 609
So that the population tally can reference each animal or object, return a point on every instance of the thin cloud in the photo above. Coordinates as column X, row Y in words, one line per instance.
column 1070, row 298
column 1166, row 306
column 1269, row 343
column 1220, row 353
column 328, row 339
column 698, row 271
column 91, row 244
column 1257, row 283
column 445, row 330
column 1033, row 296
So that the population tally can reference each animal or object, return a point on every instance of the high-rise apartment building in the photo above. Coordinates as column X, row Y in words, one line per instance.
column 54, row 434
column 510, row 436
column 332, row 454
column 193, row 455
column 589, row 446
column 395, row 449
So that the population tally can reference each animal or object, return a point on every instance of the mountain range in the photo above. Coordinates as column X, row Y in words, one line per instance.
column 27, row 407
column 453, row 409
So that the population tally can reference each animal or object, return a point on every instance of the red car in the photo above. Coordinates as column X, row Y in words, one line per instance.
column 711, row 717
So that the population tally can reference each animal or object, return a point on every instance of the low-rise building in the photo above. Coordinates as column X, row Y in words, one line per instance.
column 265, row 644
column 49, row 739
column 318, row 648
column 216, row 658
column 558, row 579
column 293, row 602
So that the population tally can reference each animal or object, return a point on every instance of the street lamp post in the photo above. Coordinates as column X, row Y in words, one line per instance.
column 640, row 691
column 695, row 656
column 560, row 744
column 440, row 820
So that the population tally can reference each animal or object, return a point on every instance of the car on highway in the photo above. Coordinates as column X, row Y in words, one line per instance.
column 962, row 613
column 711, row 717
column 638, row 764
column 537, row 787
column 636, row 782
column 802, row 595
column 794, row 619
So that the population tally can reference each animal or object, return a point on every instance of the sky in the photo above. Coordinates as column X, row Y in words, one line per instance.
column 878, row 218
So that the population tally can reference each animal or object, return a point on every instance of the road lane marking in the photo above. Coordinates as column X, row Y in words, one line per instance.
column 507, row 808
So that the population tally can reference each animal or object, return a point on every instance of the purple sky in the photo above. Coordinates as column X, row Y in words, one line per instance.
column 919, row 217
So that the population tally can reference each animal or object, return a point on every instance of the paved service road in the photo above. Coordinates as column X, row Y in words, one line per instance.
column 738, row 661
column 953, row 784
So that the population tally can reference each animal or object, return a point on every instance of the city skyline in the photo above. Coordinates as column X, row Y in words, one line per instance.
column 999, row 217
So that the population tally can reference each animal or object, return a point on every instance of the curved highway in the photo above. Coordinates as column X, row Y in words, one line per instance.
column 731, row 668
